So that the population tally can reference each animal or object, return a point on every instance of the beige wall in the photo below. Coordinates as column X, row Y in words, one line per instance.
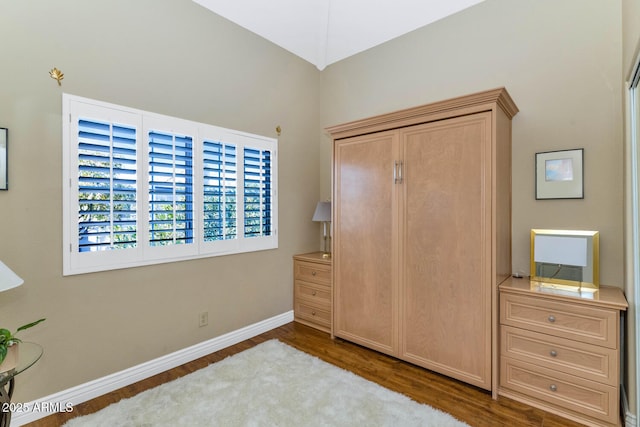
column 171, row 57
column 631, row 34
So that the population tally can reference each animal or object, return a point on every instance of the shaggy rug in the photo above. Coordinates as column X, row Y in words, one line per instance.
column 271, row 384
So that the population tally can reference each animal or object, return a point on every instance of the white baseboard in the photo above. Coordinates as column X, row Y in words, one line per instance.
column 50, row 404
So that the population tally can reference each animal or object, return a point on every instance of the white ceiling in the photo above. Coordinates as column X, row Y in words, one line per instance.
column 325, row 31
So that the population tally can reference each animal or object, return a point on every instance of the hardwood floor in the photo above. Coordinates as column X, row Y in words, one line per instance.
column 467, row 403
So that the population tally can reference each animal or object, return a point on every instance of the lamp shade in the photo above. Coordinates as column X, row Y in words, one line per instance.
column 561, row 250
column 323, row 212
column 8, row 279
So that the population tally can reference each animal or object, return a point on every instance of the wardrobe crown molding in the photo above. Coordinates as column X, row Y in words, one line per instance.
column 482, row 101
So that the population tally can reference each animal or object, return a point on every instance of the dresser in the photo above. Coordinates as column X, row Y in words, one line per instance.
column 312, row 290
column 560, row 351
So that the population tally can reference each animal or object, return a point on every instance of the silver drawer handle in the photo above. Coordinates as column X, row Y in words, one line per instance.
column 313, row 273
column 551, row 318
column 553, row 387
column 553, row 353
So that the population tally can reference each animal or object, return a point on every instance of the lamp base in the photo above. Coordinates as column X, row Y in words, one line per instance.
column 326, row 254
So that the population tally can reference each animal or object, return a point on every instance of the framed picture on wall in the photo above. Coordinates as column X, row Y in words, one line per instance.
column 4, row 137
column 560, row 174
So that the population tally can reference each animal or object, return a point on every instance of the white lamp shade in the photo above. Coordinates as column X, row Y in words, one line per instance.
column 8, row 279
column 561, row 250
column 323, row 212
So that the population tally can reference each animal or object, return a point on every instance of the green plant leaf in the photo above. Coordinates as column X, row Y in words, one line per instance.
column 30, row 325
column 3, row 352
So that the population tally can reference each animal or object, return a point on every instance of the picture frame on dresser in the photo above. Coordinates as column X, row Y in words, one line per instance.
column 560, row 174
column 566, row 259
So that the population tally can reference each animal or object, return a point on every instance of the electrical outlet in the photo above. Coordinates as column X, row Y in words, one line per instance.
column 204, row 319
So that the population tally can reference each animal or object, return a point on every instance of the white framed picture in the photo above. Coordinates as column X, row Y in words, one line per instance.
column 560, row 174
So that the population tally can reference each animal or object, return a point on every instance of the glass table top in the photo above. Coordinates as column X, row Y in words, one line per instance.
column 28, row 354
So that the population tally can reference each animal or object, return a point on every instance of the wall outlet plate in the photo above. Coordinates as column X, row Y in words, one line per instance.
column 203, row 319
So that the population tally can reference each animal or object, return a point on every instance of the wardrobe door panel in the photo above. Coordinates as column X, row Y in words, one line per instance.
column 365, row 242
column 446, row 247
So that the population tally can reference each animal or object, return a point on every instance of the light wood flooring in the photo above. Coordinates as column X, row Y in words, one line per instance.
column 467, row 403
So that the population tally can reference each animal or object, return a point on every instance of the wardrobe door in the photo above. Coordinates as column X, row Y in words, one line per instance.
column 446, row 247
column 365, row 241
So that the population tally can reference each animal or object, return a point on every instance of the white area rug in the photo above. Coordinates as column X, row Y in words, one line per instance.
column 271, row 384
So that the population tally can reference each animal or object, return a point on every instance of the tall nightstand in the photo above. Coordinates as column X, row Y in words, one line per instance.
column 560, row 351
column 312, row 290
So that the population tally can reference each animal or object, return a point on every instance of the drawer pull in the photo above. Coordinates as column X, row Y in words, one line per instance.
column 553, row 353
column 313, row 273
column 313, row 313
column 551, row 318
column 553, row 387
column 313, row 293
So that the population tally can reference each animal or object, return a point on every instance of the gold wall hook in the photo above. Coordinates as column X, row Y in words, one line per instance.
column 56, row 75
column 278, row 130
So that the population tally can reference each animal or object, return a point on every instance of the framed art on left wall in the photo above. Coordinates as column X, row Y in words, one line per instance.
column 4, row 176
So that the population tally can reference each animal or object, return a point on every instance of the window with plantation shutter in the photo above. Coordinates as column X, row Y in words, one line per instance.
column 142, row 188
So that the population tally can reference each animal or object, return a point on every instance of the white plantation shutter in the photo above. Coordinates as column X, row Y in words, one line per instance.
column 170, row 189
column 107, row 187
column 257, row 192
column 141, row 188
column 101, row 186
column 219, row 191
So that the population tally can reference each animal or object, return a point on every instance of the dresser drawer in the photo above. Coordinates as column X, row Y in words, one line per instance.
column 310, row 272
column 313, row 292
column 562, row 319
column 566, row 391
column 584, row 360
column 315, row 314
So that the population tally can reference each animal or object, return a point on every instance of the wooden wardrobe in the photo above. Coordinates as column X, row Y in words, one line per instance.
column 422, row 232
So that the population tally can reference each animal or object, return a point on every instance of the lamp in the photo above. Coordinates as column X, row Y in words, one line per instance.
column 565, row 259
column 323, row 214
column 8, row 279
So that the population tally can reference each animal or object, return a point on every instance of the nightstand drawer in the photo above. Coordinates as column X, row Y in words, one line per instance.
column 318, row 294
column 567, row 391
column 583, row 360
column 562, row 319
column 312, row 272
column 316, row 314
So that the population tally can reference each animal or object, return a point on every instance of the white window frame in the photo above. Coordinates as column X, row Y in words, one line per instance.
column 76, row 262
